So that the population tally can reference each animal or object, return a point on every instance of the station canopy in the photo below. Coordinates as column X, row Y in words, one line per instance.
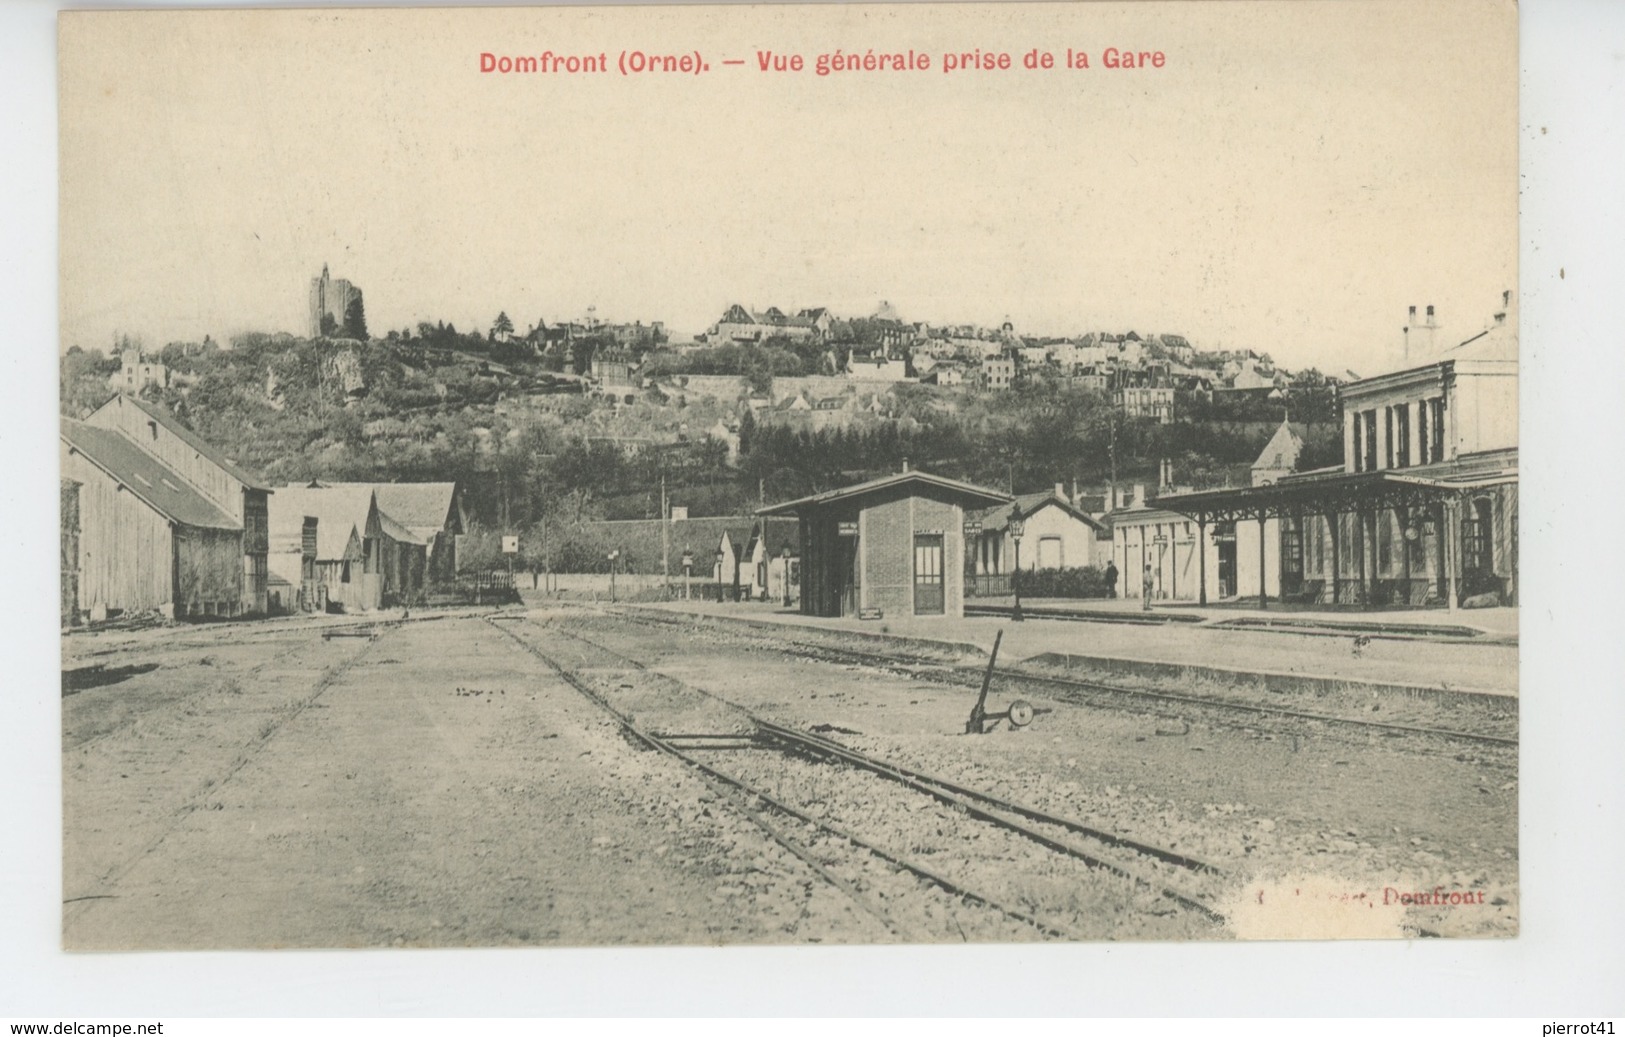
column 1332, row 490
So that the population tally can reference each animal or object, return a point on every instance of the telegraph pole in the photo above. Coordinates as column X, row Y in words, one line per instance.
column 665, row 537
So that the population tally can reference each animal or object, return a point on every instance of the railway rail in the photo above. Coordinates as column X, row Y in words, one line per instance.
column 1440, row 633
column 1145, row 867
column 1092, row 692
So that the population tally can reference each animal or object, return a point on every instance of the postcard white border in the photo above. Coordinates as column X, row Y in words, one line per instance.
column 1567, row 960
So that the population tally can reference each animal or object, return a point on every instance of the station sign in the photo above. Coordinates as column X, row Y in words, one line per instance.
column 847, row 529
column 871, row 613
column 510, row 545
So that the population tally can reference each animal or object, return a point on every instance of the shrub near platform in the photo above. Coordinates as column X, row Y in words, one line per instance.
column 1085, row 581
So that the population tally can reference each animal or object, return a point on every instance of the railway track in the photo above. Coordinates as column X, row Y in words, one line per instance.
column 759, row 750
column 1100, row 693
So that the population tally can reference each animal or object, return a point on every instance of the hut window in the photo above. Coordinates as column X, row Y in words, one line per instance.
column 152, row 427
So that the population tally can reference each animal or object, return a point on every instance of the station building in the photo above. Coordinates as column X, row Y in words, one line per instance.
column 1423, row 511
column 893, row 546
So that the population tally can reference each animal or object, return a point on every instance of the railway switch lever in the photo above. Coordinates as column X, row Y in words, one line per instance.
column 1020, row 713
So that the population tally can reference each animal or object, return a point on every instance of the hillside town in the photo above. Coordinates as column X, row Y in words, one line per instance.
column 332, row 537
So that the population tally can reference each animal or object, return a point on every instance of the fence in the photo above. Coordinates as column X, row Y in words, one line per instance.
column 988, row 585
column 1080, row 582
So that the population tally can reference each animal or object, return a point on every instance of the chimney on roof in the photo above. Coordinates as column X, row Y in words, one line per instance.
column 905, row 464
column 1060, row 490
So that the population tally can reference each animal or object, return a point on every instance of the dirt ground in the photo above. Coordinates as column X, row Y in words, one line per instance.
column 435, row 786
column 428, row 788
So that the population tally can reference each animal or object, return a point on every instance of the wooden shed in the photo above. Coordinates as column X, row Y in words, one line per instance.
column 146, row 539
column 432, row 512
column 340, row 547
column 891, row 546
column 208, row 472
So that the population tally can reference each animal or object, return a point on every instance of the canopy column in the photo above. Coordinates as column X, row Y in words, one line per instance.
column 1201, row 561
column 1336, row 528
column 1452, row 549
column 1263, row 588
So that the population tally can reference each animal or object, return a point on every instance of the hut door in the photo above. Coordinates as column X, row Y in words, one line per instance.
column 928, row 590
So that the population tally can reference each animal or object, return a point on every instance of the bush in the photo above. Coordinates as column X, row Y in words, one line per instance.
column 1085, row 581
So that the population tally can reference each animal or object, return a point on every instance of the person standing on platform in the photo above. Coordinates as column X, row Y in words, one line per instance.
column 1111, row 579
column 1145, row 587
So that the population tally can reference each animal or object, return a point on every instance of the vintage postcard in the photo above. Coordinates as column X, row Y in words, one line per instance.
column 782, row 474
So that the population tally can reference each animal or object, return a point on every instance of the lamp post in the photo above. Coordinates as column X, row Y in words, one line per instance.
column 720, row 557
column 973, row 532
column 1017, row 527
column 688, row 572
column 785, row 555
column 613, row 555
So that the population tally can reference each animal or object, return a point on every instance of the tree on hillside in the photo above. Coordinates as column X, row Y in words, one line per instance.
column 502, row 325
column 581, row 353
column 355, row 319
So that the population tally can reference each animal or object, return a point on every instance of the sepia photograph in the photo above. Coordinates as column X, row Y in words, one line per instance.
column 693, row 476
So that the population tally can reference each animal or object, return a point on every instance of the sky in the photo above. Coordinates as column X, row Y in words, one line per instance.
column 1291, row 180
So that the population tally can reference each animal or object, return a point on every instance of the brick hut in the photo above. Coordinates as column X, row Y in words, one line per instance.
column 893, row 546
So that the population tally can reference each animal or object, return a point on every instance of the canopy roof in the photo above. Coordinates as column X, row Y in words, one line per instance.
column 964, row 493
column 1333, row 490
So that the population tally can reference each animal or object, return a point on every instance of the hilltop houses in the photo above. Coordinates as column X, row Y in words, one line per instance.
column 739, row 324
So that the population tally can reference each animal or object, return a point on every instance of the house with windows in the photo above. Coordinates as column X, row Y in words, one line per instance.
column 1422, row 511
column 1056, row 534
column 997, row 372
column 739, row 324
column 138, row 371
column 771, row 562
column 1145, row 392
column 731, row 560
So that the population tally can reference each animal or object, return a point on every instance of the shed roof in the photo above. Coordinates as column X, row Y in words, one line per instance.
column 1282, row 450
column 421, row 507
column 339, row 511
column 191, row 439
column 777, row 534
column 967, row 494
column 738, row 538
column 997, row 518
column 160, row 487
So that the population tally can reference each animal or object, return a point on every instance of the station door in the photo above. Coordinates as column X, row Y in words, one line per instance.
column 928, row 588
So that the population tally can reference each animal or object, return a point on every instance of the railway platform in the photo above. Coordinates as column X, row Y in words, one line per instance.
column 1210, row 641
